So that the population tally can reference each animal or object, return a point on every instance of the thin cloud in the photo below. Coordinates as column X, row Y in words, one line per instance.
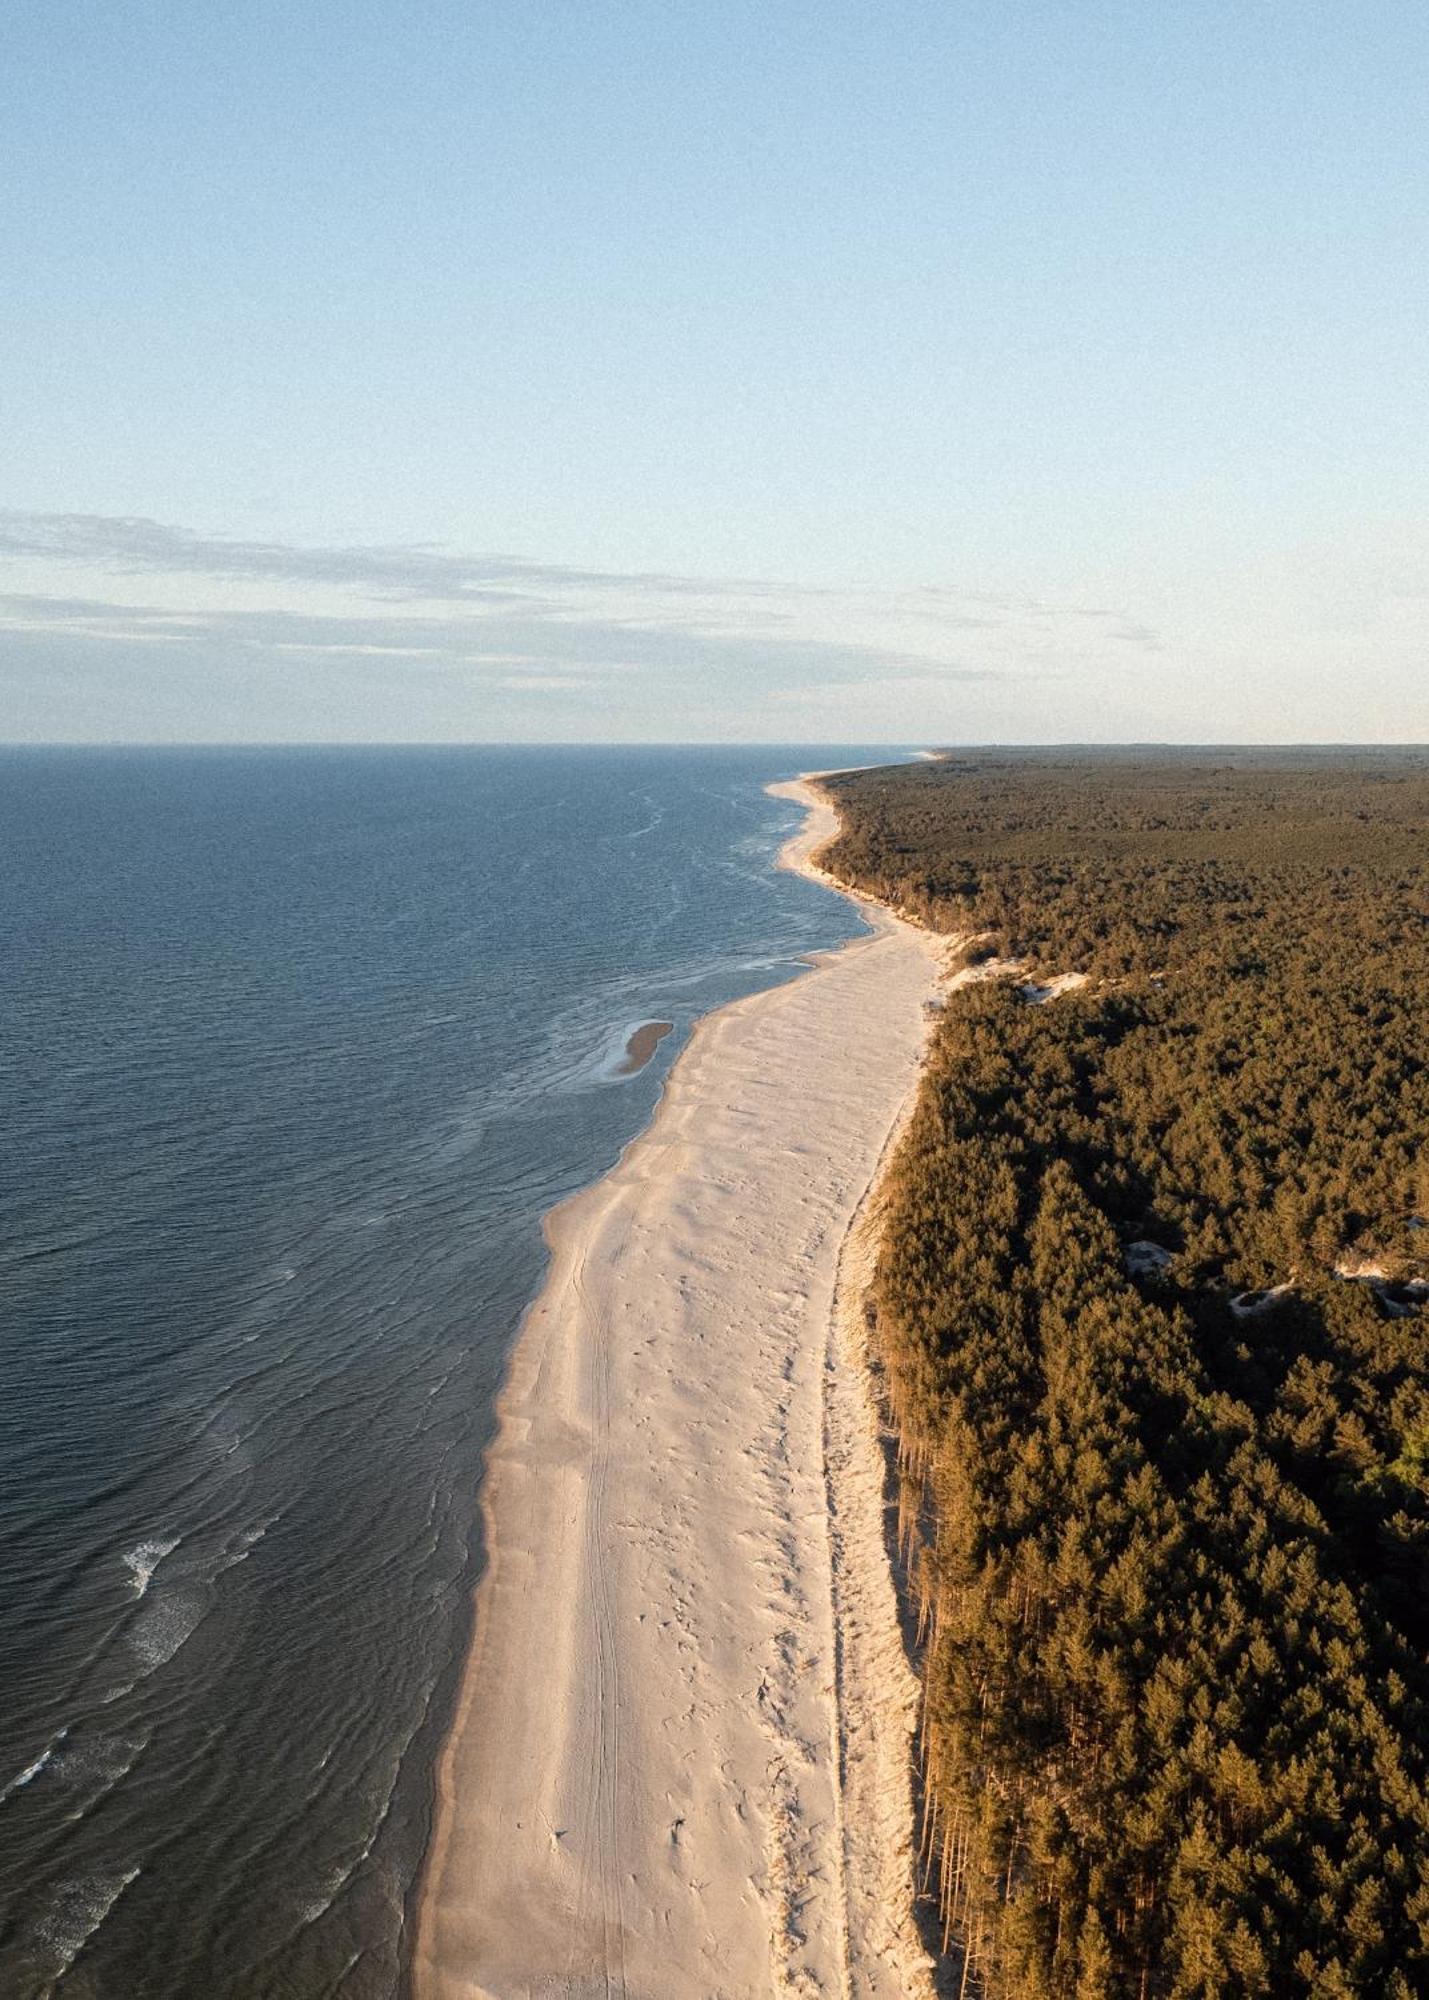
column 134, row 545
column 572, row 644
column 447, row 627
column 1141, row 636
column 921, row 685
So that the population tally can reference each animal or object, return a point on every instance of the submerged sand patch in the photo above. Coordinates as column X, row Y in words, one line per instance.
column 642, row 1045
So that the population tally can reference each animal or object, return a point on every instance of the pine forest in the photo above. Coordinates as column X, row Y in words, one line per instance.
column 1151, row 1322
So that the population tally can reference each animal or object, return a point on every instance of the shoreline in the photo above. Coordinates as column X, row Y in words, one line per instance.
column 679, row 1763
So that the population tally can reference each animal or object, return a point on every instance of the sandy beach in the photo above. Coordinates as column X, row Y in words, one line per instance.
column 679, row 1765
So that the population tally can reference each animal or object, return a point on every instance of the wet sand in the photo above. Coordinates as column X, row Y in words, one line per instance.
column 642, row 1045
column 679, row 1766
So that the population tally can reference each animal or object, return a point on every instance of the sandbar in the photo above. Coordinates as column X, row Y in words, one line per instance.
column 679, row 1766
column 642, row 1045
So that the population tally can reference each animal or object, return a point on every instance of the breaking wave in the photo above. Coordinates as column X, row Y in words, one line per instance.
column 32, row 1771
column 144, row 1558
column 73, row 1918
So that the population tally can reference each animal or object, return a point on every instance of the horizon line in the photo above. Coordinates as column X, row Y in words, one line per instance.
column 703, row 743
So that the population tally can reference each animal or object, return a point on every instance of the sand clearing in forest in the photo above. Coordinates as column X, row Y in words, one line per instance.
column 679, row 1767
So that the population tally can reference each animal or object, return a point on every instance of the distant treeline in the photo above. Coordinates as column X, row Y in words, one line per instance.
column 1164, row 1470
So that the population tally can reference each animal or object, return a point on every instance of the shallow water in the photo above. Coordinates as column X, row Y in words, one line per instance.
column 298, row 1047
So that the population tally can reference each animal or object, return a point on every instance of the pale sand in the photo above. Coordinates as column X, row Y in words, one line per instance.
column 679, row 1769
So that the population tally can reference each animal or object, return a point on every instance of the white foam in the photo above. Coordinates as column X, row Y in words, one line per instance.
column 144, row 1558
column 79, row 1911
column 341, row 1876
column 32, row 1771
column 168, row 1623
column 98, row 1762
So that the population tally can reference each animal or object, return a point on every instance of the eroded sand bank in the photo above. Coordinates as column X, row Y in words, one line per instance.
column 679, row 1766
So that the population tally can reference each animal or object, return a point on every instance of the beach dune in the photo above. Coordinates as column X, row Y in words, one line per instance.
column 679, row 1762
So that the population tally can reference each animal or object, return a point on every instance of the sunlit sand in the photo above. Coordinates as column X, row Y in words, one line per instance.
column 680, row 1761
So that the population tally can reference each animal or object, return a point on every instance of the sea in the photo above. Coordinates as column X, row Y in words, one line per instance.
column 297, row 1048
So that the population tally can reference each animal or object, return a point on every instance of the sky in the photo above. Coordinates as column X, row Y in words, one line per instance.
column 565, row 370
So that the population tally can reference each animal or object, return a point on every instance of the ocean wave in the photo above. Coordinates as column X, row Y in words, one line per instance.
column 32, row 1771
column 657, row 819
column 72, row 1920
column 177, row 1606
column 97, row 1762
column 144, row 1558
column 336, row 1883
column 241, row 1545
column 168, row 1622
column 166, row 1619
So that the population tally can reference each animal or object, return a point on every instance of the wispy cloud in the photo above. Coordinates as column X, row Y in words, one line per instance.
column 589, row 645
column 136, row 546
column 625, row 646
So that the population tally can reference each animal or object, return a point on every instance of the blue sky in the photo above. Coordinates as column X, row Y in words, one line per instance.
column 944, row 372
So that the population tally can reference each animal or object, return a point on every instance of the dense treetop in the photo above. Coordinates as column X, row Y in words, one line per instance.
column 1152, row 1315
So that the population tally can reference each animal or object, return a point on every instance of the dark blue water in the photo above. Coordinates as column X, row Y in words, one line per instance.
column 297, row 1047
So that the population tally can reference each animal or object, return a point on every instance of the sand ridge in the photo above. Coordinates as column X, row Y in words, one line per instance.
column 679, row 1767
